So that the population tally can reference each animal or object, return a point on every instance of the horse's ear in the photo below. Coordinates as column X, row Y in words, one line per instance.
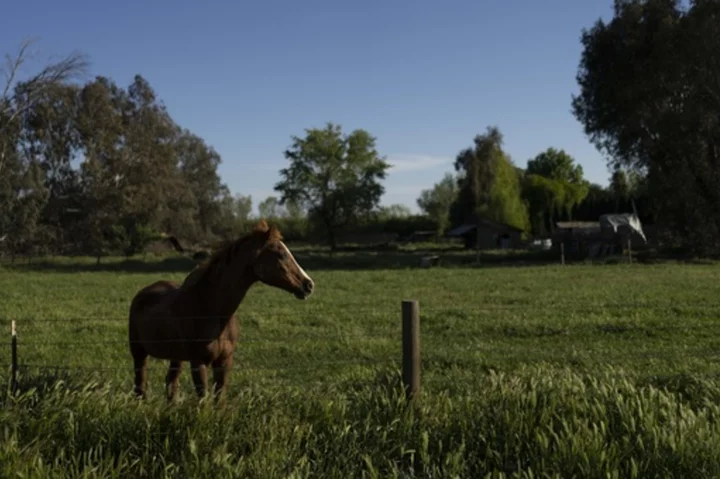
column 261, row 226
column 273, row 234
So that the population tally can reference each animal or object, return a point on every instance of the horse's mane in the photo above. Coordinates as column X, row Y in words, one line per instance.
column 224, row 255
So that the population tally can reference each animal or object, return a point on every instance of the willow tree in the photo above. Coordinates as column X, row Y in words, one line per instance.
column 553, row 186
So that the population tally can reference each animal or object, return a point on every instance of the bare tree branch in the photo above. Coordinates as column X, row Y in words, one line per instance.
column 13, row 105
column 12, row 67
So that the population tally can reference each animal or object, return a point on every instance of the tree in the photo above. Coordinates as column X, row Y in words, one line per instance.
column 99, row 126
column 478, row 167
column 665, row 124
column 507, row 201
column 139, row 174
column 489, row 185
column 555, row 165
column 243, row 207
column 393, row 211
column 20, row 96
column 270, row 208
column 26, row 214
column 24, row 139
column 598, row 201
column 294, row 211
column 436, row 202
column 198, row 165
column 335, row 177
column 552, row 187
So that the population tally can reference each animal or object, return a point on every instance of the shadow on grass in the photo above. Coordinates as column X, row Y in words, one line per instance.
column 311, row 260
column 79, row 265
column 43, row 381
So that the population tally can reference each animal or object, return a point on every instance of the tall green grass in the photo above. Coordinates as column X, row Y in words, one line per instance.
column 535, row 422
column 582, row 371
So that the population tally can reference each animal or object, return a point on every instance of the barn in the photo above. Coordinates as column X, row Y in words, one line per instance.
column 596, row 238
column 493, row 235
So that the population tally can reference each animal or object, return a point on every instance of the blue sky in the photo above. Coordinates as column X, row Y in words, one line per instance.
column 424, row 77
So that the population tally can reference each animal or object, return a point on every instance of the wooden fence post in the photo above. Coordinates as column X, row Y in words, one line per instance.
column 14, row 361
column 411, row 347
column 562, row 252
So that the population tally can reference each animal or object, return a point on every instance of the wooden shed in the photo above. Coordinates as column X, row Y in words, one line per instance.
column 493, row 235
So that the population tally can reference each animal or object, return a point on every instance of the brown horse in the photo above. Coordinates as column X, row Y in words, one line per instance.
column 196, row 321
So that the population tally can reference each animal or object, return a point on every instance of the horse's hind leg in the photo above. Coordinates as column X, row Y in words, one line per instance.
column 172, row 379
column 221, row 373
column 140, row 357
column 199, row 375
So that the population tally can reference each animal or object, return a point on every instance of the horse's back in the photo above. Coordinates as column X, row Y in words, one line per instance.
column 151, row 295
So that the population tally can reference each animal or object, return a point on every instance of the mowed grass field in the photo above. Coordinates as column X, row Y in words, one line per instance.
column 527, row 371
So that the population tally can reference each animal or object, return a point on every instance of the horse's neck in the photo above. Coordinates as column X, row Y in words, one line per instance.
column 215, row 295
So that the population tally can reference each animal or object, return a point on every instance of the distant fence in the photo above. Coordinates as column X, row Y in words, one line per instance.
column 410, row 350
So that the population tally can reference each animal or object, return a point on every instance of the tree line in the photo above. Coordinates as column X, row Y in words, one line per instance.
column 91, row 167
column 649, row 100
column 96, row 168
column 487, row 183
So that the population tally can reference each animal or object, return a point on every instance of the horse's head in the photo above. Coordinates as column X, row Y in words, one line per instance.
column 276, row 266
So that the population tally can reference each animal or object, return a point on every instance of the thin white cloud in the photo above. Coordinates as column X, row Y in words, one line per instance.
column 410, row 162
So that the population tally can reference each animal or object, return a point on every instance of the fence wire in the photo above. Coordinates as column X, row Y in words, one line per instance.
column 354, row 311
column 29, row 338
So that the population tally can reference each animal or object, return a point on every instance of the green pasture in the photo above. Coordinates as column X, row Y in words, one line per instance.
column 528, row 370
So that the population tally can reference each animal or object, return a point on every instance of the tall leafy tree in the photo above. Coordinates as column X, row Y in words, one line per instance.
column 26, row 229
column 664, row 124
column 437, row 201
column 20, row 95
column 271, row 208
column 489, row 185
column 335, row 177
column 552, row 187
column 102, row 168
column 243, row 207
column 198, row 165
column 477, row 166
column 507, row 202
column 394, row 211
column 598, row 201
column 49, row 138
column 149, row 178
column 556, row 165
column 24, row 144
column 99, row 124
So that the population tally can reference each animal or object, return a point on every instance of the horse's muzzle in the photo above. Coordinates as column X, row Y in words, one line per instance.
column 306, row 290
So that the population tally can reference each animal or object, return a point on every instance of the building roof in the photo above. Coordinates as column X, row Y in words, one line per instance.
column 467, row 227
column 460, row 230
column 566, row 225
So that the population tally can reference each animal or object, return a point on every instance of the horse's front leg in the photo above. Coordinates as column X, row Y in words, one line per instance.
column 199, row 375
